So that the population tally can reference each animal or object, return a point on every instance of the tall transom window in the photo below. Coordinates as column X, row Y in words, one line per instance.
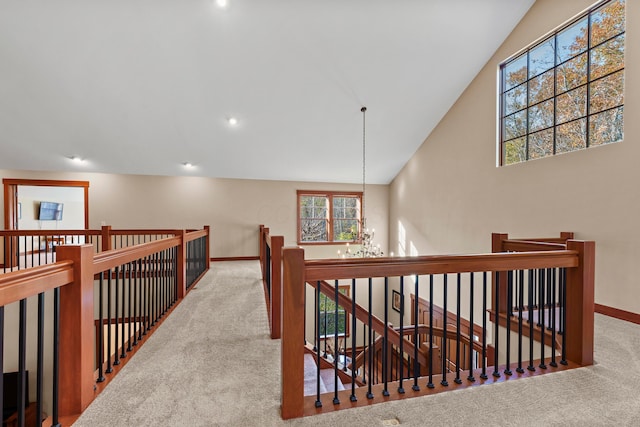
column 566, row 92
column 328, row 216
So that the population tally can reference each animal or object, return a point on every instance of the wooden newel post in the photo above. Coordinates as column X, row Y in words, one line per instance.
column 77, row 331
column 292, row 405
column 497, row 241
column 208, row 246
column 277, row 242
column 106, row 238
column 580, row 304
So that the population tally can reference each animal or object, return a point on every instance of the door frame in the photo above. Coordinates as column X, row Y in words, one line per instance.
column 11, row 197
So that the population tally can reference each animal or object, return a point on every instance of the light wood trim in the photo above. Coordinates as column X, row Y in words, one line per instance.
column 436, row 264
column 22, row 284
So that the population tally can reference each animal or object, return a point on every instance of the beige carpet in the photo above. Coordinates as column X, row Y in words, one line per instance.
column 212, row 364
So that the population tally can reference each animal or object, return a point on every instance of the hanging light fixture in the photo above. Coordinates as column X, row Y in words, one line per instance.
column 365, row 236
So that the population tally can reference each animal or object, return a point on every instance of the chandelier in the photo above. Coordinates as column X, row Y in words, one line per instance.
column 364, row 236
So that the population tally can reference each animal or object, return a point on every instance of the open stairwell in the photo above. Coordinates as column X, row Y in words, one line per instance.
column 327, row 377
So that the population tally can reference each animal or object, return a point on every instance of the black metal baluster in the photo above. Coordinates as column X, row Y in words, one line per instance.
column 496, row 373
column 129, row 314
column 542, row 287
column 507, row 369
column 552, row 308
column 123, row 349
column 40, row 361
column 325, row 323
column 2, row 355
column 154, row 290
column 56, row 357
column 519, row 369
column 483, row 375
column 317, row 311
column 371, row 346
column 531, row 320
column 416, row 339
column 109, row 314
column 470, row 377
column 430, row 383
column 444, row 353
column 353, row 397
column 116, row 360
column 136, row 300
column 22, row 362
column 400, row 369
column 101, row 329
column 563, row 315
column 458, row 380
column 336, row 353
column 385, row 342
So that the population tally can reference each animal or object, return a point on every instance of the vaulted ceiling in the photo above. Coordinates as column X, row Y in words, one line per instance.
column 144, row 86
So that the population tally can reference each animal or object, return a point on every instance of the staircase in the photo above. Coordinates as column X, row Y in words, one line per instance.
column 327, row 377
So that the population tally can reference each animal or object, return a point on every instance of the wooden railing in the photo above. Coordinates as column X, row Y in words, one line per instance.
column 29, row 248
column 569, row 272
column 148, row 280
column 271, row 266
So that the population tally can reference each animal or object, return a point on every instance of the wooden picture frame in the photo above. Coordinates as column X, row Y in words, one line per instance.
column 396, row 301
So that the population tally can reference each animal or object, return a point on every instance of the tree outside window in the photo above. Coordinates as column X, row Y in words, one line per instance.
column 328, row 217
column 566, row 92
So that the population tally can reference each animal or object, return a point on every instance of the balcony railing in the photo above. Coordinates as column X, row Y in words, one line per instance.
column 101, row 307
column 417, row 356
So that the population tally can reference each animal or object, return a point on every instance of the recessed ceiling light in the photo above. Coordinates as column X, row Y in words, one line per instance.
column 222, row 4
column 76, row 159
column 232, row 121
column 188, row 165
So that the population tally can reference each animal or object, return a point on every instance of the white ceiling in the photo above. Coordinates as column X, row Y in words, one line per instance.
column 142, row 86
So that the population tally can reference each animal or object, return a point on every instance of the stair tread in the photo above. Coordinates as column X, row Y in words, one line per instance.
column 311, row 376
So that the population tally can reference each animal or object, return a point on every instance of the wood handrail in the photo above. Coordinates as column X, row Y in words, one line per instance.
column 19, row 233
column 531, row 245
column 194, row 235
column 21, row 284
column 144, row 231
column 335, row 269
column 110, row 259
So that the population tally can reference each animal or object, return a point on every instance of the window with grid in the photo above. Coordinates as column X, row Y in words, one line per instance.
column 566, row 92
column 328, row 217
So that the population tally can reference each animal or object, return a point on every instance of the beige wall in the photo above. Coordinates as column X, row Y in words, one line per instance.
column 450, row 196
column 233, row 208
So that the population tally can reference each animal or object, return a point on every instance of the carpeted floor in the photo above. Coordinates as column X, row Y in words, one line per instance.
column 212, row 363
